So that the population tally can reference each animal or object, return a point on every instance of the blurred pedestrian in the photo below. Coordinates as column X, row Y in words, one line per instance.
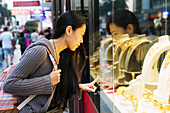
column 34, row 36
column 22, row 41
column 1, row 53
column 8, row 45
column 48, row 34
column 15, row 36
column 50, row 30
column 35, row 75
column 41, row 35
column 27, row 37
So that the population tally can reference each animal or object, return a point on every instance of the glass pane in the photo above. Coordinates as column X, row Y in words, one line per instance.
column 140, row 56
column 101, row 54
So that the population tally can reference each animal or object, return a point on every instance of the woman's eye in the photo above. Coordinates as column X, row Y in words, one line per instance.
column 115, row 34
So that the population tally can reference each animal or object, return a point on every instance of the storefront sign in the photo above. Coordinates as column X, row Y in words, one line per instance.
column 19, row 12
column 37, row 14
column 26, row 3
column 165, row 14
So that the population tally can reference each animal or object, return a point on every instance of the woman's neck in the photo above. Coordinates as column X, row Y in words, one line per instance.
column 59, row 44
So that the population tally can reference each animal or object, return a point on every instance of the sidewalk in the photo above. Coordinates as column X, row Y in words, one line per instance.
column 17, row 55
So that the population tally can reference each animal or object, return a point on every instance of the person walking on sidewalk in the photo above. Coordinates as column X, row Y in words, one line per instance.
column 1, row 53
column 27, row 36
column 8, row 45
column 34, row 36
column 22, row 41
column 34, row 74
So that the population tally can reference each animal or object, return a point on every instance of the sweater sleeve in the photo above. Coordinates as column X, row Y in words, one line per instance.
column 19, row 82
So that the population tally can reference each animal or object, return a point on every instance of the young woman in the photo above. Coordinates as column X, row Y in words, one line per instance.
column 34, row 74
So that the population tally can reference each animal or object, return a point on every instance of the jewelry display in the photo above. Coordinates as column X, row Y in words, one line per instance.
column 153, row 49
column 167, row 60
column 121, row 90
column 161, row 106
column 127, row 43
column 148, row 95
column 134, row 44
column 146, row 101
column 133, row 76
column 123, row 38
column 135, row 53
column 123, row 43
column 134, row 101
column 134, row 98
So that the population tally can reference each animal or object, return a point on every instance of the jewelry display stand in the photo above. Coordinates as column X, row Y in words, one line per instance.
column 136, row 86
column 121, row 64
column 106, row 58
column 131, row 66
column 109, row 53
column 162, row 93
column 150, row 74
column 120, row 44
column 104, row 44
column 150, row 71
column 103, row 54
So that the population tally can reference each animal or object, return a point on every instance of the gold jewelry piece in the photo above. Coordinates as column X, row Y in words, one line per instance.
column 148, row 95
column 97, row 69
column 134, row 44
column 134, row 101
column 153, row 49
column 121, row 90
column 127, row 97
column 118, row 42
column 161, row 106
column 167, row 59
column 127, row 43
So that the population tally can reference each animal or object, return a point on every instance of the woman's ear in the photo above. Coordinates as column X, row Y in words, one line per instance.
column 130, row 29
column 68, row 30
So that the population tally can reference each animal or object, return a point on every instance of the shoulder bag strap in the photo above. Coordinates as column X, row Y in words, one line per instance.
column 32, row 96
column 54, row 87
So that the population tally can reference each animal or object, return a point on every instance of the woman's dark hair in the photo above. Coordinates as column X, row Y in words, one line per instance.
column 71, row 62
column 72, row 18
column 122, row 18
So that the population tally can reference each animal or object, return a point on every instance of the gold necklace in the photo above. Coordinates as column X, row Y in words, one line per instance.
column 55, row 51
column 167, row 59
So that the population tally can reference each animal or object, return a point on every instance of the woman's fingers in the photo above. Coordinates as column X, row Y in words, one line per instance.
column 58, row 71
column 55, row 77
column 92, row 89
column 95, row 80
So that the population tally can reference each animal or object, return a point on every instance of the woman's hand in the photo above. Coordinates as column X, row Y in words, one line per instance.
column 55, row 77
column 89, row 86
column 107, row 86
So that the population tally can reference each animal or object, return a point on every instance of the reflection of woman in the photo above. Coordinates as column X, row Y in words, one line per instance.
column 123, row 22
column 35, row 75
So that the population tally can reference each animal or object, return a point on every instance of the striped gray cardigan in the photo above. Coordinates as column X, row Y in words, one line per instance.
column 31, row 76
